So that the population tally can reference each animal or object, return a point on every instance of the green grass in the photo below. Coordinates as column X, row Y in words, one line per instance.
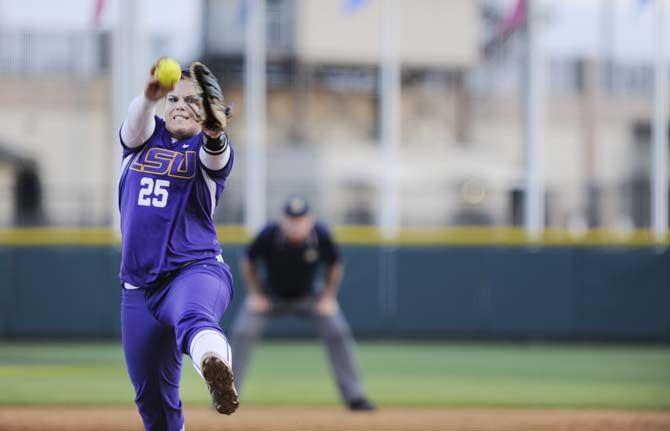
column 403, row 374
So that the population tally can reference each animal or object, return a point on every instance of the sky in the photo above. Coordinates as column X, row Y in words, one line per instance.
column 572, row 26
column 178, row 20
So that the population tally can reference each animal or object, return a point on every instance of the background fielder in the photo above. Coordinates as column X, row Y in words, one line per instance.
column 292, row 252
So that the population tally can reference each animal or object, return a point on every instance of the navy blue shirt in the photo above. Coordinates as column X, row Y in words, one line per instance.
column 291, row 269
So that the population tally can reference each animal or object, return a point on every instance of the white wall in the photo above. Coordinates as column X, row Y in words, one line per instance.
column 432, row 32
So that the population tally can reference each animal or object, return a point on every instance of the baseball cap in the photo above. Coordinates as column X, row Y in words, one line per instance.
column 296, row 206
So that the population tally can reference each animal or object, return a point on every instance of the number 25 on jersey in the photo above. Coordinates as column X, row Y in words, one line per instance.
column 153, row 193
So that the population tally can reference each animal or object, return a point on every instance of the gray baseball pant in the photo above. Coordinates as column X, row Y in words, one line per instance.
column 333, row 331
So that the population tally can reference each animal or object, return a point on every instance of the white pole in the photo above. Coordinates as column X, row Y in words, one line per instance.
column 606, row 44
column 389, row 89
column 129, row 70
column 254, row 90
column 659, row 180
column 534, row 127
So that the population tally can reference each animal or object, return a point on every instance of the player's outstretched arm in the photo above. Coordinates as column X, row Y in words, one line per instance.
column 139, row 124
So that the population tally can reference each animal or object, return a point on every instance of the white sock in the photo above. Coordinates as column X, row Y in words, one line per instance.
column 209, row 341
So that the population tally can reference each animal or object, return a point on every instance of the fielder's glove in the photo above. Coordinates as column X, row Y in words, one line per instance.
column 215, row 112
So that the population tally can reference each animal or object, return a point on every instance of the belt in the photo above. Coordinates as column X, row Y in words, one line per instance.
column 129, row 286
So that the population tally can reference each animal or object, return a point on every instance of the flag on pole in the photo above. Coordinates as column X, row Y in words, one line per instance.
column 510, row 23
column 514, row 19
column 98, row 9
column 351, row 6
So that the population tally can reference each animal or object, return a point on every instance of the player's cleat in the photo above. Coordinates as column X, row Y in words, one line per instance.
column 361, row 405
column 219, row 378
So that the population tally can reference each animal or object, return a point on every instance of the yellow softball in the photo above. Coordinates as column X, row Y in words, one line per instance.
column 168, row 72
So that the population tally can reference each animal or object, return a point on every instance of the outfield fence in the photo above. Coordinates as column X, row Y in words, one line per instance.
column 476, row 283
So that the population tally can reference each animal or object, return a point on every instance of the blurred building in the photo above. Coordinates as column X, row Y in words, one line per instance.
column 323, row 100
column 461, row 152
column 462, row 114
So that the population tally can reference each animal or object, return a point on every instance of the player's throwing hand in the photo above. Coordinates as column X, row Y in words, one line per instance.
column 153, row 90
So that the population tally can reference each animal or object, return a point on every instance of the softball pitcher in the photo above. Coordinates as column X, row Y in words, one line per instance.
column 175, row 284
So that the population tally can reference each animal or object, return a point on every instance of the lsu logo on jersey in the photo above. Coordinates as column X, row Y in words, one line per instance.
column 161, row 161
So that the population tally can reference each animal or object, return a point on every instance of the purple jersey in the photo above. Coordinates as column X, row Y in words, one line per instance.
column 167, row 199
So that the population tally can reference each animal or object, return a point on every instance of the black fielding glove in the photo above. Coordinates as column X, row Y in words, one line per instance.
column 216, row 112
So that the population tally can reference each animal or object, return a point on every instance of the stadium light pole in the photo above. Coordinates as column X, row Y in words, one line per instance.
column 389, row 119
column 534, row 124
column 254, row 91
column 659, row 180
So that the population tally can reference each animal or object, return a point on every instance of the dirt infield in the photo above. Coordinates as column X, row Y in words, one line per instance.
column 333, row 419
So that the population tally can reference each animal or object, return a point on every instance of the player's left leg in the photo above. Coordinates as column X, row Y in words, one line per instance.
column 194, row 304
column 336, row 336
column 153, row 363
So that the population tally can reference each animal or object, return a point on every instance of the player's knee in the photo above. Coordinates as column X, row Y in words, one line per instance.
column 189, row 324
column 190, row 319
